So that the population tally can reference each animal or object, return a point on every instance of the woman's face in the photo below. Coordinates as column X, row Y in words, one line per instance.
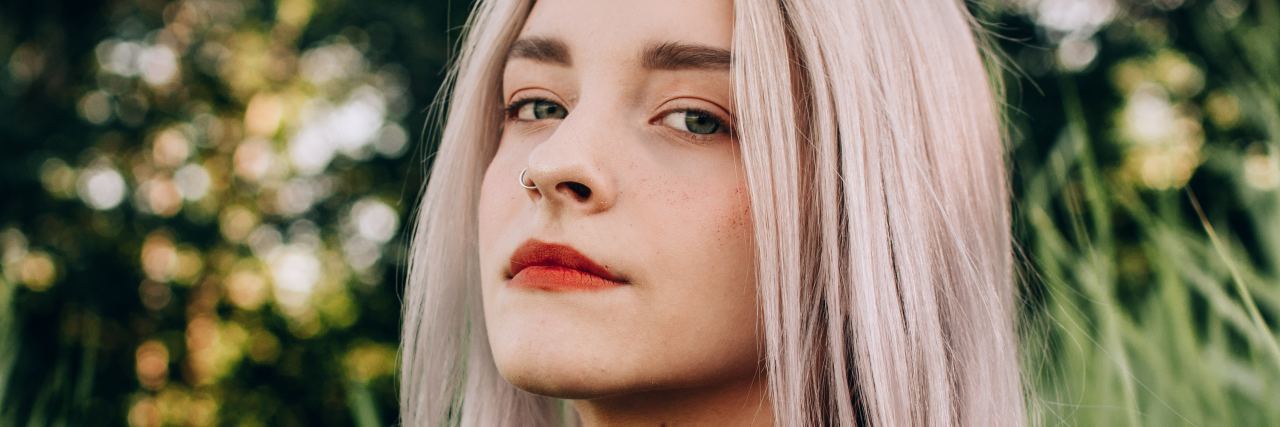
column 621, row 111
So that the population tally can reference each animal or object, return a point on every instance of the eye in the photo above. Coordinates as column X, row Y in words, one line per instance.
column 693, row 121
column 536, row 109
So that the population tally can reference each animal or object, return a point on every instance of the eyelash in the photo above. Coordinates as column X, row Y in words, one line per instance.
column 510, row 111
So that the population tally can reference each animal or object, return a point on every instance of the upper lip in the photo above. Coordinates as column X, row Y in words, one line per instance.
column 537, row 253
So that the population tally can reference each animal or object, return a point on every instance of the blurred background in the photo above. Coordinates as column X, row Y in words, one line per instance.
column 203, row 205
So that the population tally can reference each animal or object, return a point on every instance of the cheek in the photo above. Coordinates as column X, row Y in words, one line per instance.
column 710, row 221
column 736, row 230
column 704, row 281
column 713, row 229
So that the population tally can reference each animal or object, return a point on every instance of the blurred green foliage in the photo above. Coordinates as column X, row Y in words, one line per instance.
column 1147, row 178
column 203, row 203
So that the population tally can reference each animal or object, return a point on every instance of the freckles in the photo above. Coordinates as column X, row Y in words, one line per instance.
column 736, row 218
column 680, row 197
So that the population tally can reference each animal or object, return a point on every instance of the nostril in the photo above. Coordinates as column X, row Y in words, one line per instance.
column 582, row 192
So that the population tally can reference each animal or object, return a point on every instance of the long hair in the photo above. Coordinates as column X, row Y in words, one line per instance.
column 874, row 159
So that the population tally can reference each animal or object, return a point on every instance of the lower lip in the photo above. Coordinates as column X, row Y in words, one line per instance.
column 560, row 279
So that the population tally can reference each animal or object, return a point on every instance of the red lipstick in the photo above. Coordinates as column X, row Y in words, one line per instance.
column 554, row 267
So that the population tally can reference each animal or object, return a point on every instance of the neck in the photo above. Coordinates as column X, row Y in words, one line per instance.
column 739, row 403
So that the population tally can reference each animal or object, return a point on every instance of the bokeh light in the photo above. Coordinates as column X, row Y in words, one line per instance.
column 101, row 187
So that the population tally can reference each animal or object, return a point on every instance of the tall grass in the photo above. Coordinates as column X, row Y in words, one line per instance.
column 1143, row 307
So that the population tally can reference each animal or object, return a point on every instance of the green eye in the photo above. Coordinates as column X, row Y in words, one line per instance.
column 539, row 109
column 700, row 123
column 693, row 121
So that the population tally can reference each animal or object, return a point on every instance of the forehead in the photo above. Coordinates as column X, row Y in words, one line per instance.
column 612, row 28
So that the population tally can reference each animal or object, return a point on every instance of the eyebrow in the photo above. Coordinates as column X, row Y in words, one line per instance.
column 541, row 49
column 670, row 56
column 683, row 56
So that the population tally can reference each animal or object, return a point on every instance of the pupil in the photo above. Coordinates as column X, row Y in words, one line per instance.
column 544, row 109
column 700, row 123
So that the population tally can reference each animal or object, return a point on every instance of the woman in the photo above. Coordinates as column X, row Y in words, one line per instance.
column 761, row 212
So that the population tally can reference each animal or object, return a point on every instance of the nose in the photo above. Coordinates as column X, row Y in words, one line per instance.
column 568, row 176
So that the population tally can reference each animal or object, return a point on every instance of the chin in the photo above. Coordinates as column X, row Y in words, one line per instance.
column 568, row 377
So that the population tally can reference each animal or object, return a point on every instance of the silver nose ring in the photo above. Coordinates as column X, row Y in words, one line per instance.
column 528, row 187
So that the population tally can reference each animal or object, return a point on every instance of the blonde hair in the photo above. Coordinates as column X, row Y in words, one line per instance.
column 874, row 158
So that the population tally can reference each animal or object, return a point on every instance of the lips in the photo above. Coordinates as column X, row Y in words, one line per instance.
column 555, row 267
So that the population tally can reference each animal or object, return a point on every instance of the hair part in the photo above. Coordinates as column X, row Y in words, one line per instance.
column 874, row 157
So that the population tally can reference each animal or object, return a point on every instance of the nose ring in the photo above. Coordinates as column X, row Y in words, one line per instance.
column 529, row 187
